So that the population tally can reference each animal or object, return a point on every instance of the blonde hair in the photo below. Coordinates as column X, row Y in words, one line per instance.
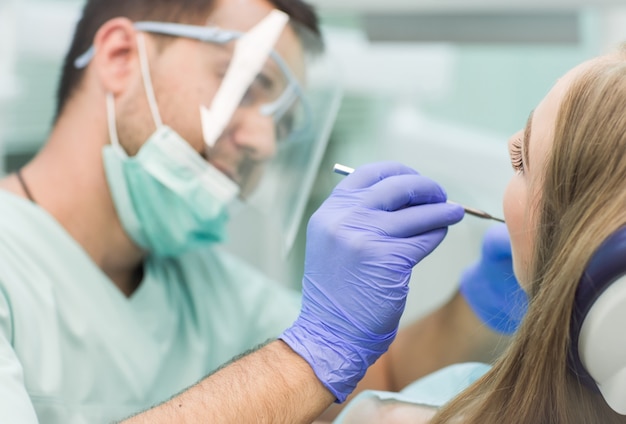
column 583, row 200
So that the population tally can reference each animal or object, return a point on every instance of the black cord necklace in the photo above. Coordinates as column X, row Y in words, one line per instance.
column 20, row 178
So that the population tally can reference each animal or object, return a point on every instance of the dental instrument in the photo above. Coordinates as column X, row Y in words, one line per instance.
column 346, row 170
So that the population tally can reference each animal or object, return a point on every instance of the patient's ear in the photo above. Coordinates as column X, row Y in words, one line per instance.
column 116, row 60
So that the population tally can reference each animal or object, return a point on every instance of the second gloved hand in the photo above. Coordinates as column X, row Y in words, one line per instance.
column 489, row 285
column 362, row 244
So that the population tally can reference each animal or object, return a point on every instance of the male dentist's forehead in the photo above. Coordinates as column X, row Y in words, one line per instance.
column 238, row 15
column 242, row 15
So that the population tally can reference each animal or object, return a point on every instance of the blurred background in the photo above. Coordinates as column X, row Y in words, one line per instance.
column 437, row 84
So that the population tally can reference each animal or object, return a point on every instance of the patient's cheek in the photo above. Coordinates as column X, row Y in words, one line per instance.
column 518, row 216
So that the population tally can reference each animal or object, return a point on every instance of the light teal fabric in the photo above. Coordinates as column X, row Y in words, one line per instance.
column 73, row 349
column 434, row 390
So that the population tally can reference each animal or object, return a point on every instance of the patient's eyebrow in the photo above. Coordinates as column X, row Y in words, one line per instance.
column 526, row 141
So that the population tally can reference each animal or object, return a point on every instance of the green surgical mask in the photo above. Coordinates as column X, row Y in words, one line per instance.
column 167, row 197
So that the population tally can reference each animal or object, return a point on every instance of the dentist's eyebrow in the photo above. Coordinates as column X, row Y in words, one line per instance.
column 526, row 141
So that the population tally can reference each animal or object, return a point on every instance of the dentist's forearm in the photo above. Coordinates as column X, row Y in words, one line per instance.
column 271, row 385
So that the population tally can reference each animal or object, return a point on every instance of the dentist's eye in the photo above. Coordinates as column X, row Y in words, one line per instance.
column 517, row 160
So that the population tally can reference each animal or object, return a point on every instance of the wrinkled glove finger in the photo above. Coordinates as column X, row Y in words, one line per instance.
column 402, row 191
column 425, row 243
column 416, row 220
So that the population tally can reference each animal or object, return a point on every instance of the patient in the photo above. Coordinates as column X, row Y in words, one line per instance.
column 567, row 196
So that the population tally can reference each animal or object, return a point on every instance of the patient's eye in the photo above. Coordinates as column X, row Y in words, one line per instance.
column 517, row 160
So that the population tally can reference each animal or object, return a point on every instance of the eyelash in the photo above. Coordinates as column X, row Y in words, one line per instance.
column 516, row 155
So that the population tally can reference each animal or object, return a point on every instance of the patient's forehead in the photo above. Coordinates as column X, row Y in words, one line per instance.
column 570, row 76
column 545, row 114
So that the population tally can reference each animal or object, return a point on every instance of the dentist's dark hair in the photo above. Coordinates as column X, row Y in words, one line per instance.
column 195, row 12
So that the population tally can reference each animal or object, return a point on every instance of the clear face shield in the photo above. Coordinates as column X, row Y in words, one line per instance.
column 267, row 107
column 266, row 116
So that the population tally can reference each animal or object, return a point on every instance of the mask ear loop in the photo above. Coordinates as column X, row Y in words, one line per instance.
column 115, row 141
column 147, row 81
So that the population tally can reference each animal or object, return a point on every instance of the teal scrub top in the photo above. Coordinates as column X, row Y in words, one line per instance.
column 74, row 349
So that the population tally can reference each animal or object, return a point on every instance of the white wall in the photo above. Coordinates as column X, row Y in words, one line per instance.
column 613, row 27
column 46, row 26
column 455, row 5
column 8, row 82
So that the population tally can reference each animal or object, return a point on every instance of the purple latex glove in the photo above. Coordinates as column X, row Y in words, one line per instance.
column 490, row 287
column 362, row 244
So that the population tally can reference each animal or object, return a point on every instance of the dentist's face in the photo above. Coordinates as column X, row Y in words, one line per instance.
column 529, row 150
column 187, row 73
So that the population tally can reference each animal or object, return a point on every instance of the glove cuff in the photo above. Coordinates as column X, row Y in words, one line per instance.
column 338, row 365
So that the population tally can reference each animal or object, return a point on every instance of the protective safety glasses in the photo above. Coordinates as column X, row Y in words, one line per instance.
column 275, row 91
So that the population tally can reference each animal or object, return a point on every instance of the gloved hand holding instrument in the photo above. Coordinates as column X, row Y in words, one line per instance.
column 362, row 244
